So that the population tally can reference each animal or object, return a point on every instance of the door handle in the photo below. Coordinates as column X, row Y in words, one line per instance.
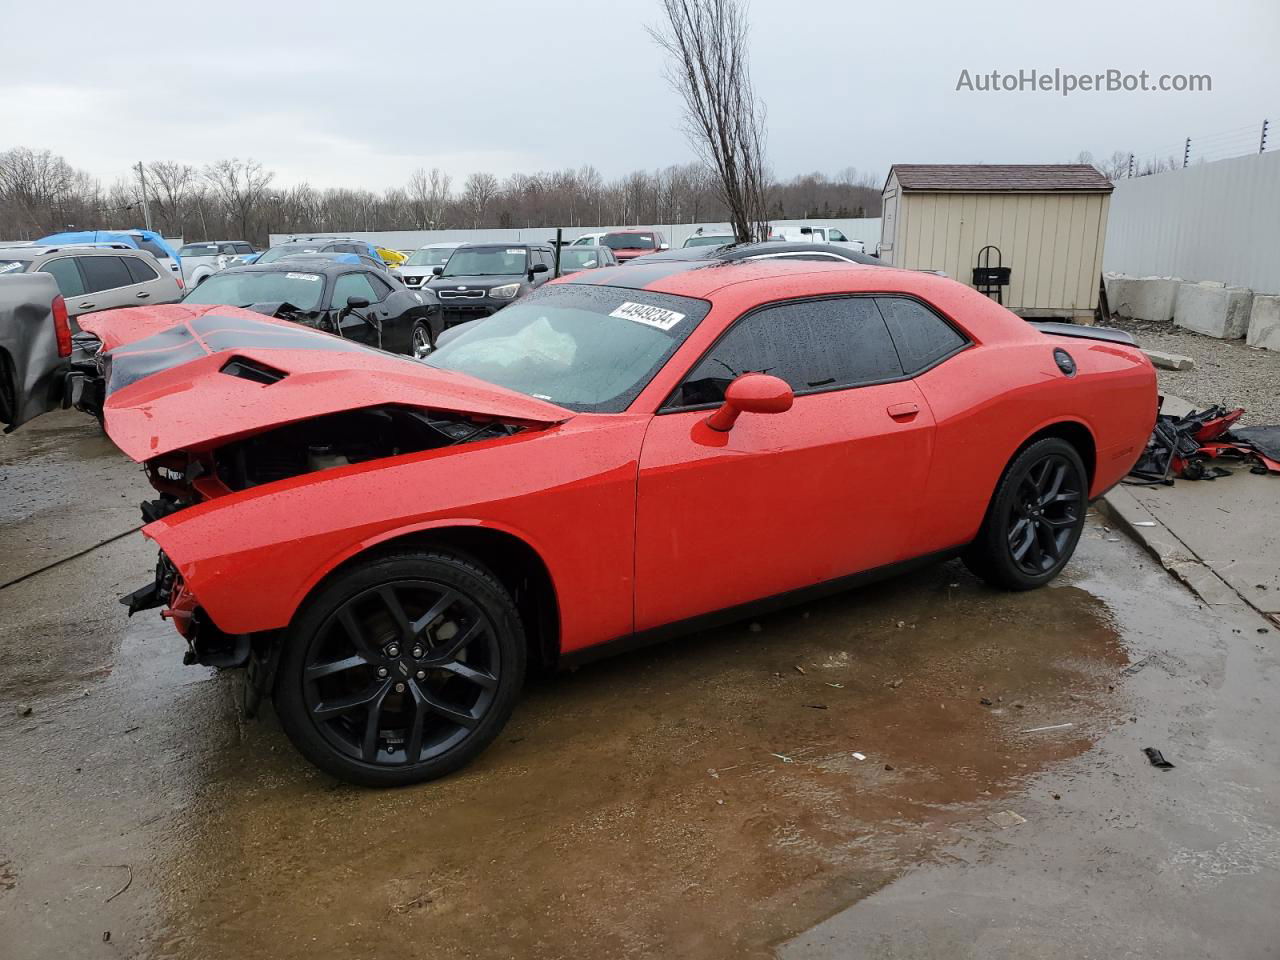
column 84, row 306
column 144, row 295
column 902, row 411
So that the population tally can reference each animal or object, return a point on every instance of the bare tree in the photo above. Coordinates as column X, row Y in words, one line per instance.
column 170, row 183
column 241, row 187
column 706, row 41
column 477, row 193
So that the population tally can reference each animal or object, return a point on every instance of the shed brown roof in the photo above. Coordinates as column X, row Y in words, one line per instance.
column 1000, row 177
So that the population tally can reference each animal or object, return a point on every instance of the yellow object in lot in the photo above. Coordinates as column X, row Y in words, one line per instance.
column 392, row 258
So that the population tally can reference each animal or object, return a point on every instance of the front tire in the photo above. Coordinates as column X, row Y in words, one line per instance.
column 1034, row 520
column 401, row 669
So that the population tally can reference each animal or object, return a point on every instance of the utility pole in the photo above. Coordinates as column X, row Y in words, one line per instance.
column 146, row 210
column 1262, row 143
column 1131, row 166
column 1186, row 153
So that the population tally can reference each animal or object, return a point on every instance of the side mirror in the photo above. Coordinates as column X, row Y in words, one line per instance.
column 357, row 303
column 539, row 268
column 436, row 271
column 664, row 246
column 751, row 393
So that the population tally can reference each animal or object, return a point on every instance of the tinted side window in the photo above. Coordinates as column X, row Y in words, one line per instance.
column 834, row 234
column 381, row 288
column 813, row 345
column 104, row 273
column 353, row 285
column 66, row 275
column 242, row 248
column 922, row 337
column 139, row 270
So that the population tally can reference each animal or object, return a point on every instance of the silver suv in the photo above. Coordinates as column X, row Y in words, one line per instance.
column 92, row 278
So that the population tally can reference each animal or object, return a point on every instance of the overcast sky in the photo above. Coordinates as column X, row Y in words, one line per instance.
column 362, row 94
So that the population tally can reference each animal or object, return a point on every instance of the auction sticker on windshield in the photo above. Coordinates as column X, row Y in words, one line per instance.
column 302, row 276
column 658, row 317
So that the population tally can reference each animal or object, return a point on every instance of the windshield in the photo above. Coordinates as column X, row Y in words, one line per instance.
column 12, row 266
column 301, row 289
column 582, row 259
column 199, row 250
column 430, row 257
column 275, row 253
column 589, row 348
column 486, row 262
column 628, row 241
column 707, row 241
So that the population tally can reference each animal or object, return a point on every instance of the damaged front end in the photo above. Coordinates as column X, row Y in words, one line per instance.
column 226, row 403
column 184, row 479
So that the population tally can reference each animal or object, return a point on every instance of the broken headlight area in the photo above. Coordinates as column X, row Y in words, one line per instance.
column 206, row 644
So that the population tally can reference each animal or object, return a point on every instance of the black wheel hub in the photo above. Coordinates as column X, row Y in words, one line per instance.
column 401, row 673
column 1046, row 509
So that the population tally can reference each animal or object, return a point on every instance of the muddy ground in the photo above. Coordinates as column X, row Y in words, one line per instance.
column 703, row 799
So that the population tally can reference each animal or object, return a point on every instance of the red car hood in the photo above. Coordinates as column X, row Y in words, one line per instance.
column 193, row 378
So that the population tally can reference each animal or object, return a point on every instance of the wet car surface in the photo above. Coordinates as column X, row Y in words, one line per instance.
column 697, row 799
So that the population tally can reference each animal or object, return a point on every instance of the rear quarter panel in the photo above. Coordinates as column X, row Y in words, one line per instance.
column 988, row 400
column 568, row 491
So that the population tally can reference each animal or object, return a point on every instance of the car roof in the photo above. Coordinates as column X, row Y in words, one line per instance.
column 31, row 251
column 701, row 278
column 440, row 244
column 760, row 248
column 318, row 263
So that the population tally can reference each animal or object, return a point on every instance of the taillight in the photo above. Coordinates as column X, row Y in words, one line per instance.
column 181, row 285
column 62, row 326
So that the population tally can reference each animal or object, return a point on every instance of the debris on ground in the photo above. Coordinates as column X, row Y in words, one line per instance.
column 838, row 686
column 895, row 684
column 755, row 628
column 127, row 884
column 1055, row 726
column 1005, row 819
column 1179, row 447
column 24, row 709
column 782, row 757
column 800, row 670
column 1157, row 758
column 815, row 706
column 859, row 756
column 985, row 701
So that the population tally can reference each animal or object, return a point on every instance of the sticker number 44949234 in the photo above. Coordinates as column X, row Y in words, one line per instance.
column 658, row 317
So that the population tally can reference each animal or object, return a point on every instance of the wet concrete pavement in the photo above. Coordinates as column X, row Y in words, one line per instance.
column 700, row 799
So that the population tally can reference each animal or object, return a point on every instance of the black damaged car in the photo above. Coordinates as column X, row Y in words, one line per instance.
column 482, row 278
column 350, row 299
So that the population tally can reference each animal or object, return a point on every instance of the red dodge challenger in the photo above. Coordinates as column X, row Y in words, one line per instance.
column 620, row 456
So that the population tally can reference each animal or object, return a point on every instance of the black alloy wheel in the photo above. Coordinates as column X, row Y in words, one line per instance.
column 1035, row 518
column 1043, row 514
column 402, row 670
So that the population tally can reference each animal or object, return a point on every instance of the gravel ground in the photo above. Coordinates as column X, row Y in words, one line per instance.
column 1226, row 371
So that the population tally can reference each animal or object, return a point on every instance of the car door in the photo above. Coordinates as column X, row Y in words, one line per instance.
column 107, row 284
column 359, row 283
column 66, row 274
column 150, row 283
column 786, row 500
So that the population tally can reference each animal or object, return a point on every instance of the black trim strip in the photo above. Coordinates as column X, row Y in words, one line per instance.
column 705, row 621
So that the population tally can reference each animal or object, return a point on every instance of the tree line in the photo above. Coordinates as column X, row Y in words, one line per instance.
column 233, row 199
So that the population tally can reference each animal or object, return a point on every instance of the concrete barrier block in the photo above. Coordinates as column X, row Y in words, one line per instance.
column 1144, row 298
column 1214, row 310
column 1170, row 361
column 1264, row 322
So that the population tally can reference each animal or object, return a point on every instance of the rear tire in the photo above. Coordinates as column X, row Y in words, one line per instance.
column 1034, row 520
column 421, row 342
column 401, row 669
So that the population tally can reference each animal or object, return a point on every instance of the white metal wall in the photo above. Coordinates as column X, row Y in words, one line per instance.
column 866, row 229
column 1212, row 221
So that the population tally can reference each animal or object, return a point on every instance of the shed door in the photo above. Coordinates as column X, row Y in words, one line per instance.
column 888, row 225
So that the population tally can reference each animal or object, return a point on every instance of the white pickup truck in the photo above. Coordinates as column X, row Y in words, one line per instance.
column 813, row 234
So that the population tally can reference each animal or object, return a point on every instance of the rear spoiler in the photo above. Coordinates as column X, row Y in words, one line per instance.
column 1110, row 334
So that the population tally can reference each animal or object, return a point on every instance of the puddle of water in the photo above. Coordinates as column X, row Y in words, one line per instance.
column 642, row 806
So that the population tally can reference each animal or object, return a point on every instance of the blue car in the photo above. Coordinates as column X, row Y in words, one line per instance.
column 147, row 240
column 300, row 245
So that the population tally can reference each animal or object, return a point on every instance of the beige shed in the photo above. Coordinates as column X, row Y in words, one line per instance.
column 1042, row 223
